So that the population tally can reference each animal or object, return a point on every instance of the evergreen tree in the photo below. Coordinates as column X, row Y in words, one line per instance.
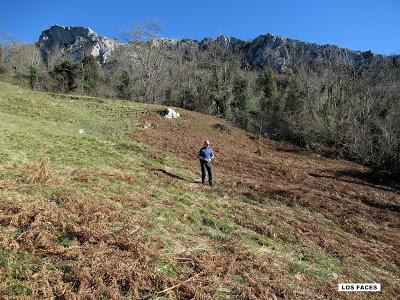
column 2, row 67
column 126, row 85
column 241, row 98
column 268, row 86
column 123, row 85
column 269, row 104
column 188, row 97
column 89, row 76
column 221, row 89
column 65, row 75
column 295, row 99
column 33, row 76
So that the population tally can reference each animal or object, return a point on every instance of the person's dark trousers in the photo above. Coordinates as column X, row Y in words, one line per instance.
column 205, row 165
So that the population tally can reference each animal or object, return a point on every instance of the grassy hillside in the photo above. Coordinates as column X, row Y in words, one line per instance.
column 117, row 212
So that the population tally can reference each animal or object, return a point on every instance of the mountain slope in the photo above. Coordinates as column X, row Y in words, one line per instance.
column 118, row 212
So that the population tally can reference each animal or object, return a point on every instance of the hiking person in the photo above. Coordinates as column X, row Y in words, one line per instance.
column 205, row 156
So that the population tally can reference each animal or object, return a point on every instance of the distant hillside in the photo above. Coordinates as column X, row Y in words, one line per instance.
column 271, row 50
column 95, row 206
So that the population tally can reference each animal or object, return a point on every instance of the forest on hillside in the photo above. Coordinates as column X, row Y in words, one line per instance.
column 340, row 111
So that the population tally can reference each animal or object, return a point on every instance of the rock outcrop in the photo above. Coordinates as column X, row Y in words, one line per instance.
column 282, row 53
column 277, row 52
column 268, row 50
column 76, row 41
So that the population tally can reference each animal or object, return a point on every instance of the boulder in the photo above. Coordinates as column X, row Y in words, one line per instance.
column 169, row 113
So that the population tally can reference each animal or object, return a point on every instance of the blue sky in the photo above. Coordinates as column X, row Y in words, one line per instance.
column 355, row 24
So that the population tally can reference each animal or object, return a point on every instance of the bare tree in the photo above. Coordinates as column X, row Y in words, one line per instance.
column 21, row 57
column 5, row 41
column 142, row 61
column 56, row 56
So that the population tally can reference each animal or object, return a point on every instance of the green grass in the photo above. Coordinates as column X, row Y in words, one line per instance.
column 50, row 125
column 63, row 239
column 166, row 268
column 320, row 267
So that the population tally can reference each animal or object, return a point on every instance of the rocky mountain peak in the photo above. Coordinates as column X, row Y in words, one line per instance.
column 77, row 41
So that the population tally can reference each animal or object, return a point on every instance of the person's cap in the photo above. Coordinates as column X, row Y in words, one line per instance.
column 206, row 142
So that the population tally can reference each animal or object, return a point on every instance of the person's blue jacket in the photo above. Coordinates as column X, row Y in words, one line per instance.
column 206, row 154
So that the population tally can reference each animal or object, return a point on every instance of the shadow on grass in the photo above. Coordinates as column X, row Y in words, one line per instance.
column 388, row 206
column 294, row 150
column 172, row 175
column 372, row 178
column 377, row 181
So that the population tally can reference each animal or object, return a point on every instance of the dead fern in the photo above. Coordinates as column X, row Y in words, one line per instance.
column 38, row 173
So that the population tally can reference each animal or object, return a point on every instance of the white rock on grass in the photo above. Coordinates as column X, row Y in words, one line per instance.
column 169, row 113
column 147, row 125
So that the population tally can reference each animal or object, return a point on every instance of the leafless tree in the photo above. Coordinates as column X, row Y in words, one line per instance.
column 5, row 41
column 21, row 57
column 56, row 56
column 143, row 57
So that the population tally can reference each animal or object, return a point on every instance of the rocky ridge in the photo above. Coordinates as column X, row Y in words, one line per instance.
column 266, row 50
